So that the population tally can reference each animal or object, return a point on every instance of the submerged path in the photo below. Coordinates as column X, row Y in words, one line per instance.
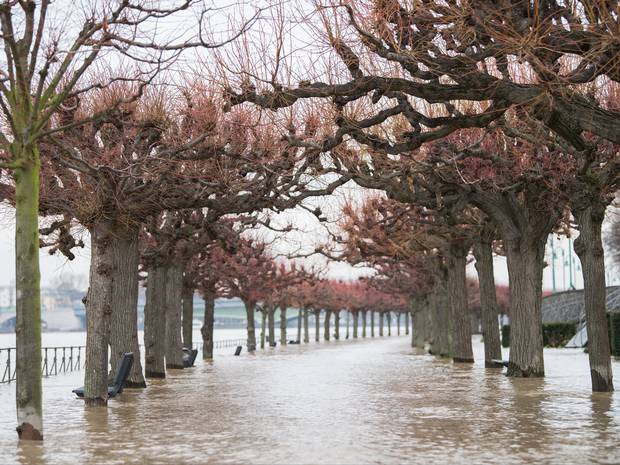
column 364, row 401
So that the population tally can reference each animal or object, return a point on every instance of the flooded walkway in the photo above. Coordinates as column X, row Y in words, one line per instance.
column 365, row 401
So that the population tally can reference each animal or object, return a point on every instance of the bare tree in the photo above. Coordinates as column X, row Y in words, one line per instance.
column 45, row 63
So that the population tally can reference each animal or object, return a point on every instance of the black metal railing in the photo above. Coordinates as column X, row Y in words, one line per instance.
column 55, row 360
column 229, row 343
column 58, row 360
column 222, row 344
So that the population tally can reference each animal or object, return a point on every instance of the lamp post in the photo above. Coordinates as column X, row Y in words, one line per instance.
column 563, row 271
column 553, row 256
column 570, row 264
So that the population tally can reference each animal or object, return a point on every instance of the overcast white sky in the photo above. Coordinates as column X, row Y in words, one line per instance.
column 54, row 268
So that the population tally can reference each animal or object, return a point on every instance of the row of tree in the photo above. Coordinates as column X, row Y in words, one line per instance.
column 488, row 125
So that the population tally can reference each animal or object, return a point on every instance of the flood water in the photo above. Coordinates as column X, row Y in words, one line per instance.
column 349, row 402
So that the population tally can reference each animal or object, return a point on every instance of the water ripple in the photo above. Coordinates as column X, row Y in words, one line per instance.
column 344, row 402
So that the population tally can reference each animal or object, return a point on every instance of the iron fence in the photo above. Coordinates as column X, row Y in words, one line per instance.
column 229, row 343
column 222, row 344
column 58, row 360
column 55, row 360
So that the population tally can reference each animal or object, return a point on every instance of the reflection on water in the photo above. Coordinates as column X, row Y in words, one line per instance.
column 342, row 402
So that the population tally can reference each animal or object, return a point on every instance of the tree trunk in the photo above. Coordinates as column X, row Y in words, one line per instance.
column 356, row 318
column 207, row 327
column 398, row 323
column 589, row 249
column 249, row 313
column 388, row 318
column 98, row 310
column 317, row 325
column 426, row 326
column 299, row 317
column 263, row 328
column 461, row 321
column 306, row 329
column 326, row 331
column 188, row 317
column 29, row 394
column 381, row 323
column 406, row 324
column 283, row 323
column 434, row 344
column 271, row 315
column 372, row 323
column 525, row 260
column 364, row 323
column 174, row 307
column 337, row 325
column 488, row 303
column 155, row 323
column 418, row 309
column 124, row 317
column 348, row 317
column 444, row 317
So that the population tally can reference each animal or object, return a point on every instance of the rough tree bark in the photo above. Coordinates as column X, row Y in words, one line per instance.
column 406, row 324
column 525, row 260
column 444, row 320
column 124, row 317
column 327, row 322
column 356, row 320
column 317, row 325
column 174, row 343
column 414, row 327
column 155, row 323
column 437, row 325
column 461, row 321
column 426, row 326
column 306, row 329
column 524, row 226
column 249, row 313
column 271, row 324
column 337, row 325
column 388, row 319
column 283, row 323
column 263, row 328
column 188, row 316
column 372, row 323
column 418, row 309
column 380, row 323
column 488, row 303
column 98, row 304
column 589, row 249
column 29, row 394
column 299, row 318
column 363, row 323
column 207, row 326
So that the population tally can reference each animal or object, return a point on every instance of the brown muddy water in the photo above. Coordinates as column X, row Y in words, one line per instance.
column 349, row 402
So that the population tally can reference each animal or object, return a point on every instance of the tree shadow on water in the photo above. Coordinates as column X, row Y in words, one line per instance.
column 529, row 426
column 31, row 453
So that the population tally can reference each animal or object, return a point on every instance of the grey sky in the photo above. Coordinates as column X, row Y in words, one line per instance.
column 54, row 267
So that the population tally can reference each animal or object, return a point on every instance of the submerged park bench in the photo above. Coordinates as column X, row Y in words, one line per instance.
column 189, row 357
column 501, row 362
column 122, row 373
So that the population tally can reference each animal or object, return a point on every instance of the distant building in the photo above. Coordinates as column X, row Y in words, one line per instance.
column 62, row 309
